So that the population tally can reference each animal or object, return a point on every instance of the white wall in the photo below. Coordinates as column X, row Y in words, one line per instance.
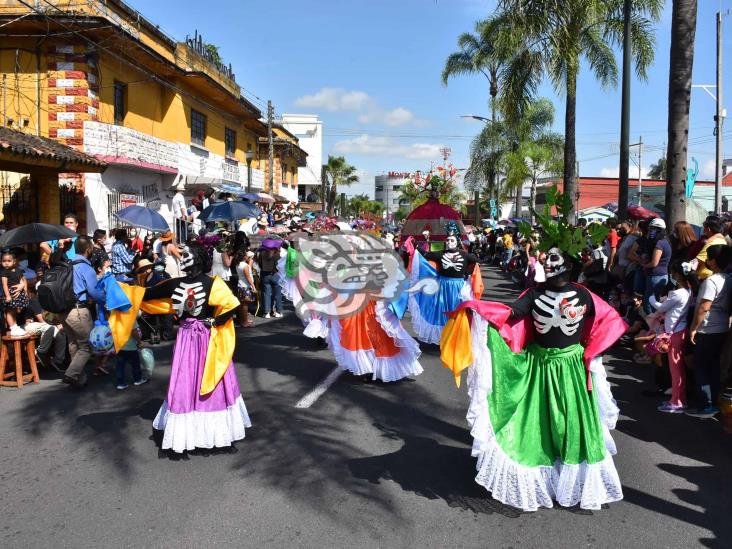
column 309, row 131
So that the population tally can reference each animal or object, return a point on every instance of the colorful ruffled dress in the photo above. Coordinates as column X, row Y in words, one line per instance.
column 374, row 342
column 204, row 407
column 429, row 312
column 540, row 408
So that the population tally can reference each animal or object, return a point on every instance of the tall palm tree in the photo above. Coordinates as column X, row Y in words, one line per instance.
column 683, row 30
column 338, row 172
column 658, row 170
column 476, row 56
column 553, row 38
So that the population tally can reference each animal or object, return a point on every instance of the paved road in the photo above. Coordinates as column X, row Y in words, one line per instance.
column 368, row 465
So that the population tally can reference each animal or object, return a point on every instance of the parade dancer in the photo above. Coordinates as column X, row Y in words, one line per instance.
column 345, row 283
column 540, row 404
column 204, row 407
column 453, row 271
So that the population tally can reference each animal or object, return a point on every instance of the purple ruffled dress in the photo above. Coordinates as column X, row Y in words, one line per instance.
column 189, row 420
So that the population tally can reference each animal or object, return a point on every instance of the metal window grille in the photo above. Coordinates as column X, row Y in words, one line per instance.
column 198, row 128
column 117, row 200
column 19, row 201
column 71, row 200
column 119, row 102
column 230, row 141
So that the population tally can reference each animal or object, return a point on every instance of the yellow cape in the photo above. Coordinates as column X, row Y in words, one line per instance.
column 223, row 339
column 456, row 351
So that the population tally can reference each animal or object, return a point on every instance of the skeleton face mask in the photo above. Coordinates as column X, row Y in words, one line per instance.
column 555, row 264
column 451, row 243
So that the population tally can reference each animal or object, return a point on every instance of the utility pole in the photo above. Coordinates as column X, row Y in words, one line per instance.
column 270, row 159
column 719, row 121
column 625, row 116
column 640, row 169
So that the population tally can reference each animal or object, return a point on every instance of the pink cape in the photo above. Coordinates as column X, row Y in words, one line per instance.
column 597, row 336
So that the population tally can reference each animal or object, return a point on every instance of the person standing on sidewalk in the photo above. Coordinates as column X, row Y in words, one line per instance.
column 79, row 321
column 675, row 310
column 269, row 280
column 710, row 327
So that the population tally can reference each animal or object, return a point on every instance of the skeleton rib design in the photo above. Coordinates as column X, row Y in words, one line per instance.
column 562, row 312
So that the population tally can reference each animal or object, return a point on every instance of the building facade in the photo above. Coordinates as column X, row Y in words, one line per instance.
column 387, row 190
column 99, row 77
column 309, row 131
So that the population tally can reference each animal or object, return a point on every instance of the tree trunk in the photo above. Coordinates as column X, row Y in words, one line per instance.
column 683, row 29
column 518, row 206
column 570, row 152
column 532, row 199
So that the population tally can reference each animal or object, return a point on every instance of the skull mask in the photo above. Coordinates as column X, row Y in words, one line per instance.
column 556, row 263
column 451, row 243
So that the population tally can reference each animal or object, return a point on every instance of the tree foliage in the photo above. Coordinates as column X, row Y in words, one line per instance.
column 338, row 172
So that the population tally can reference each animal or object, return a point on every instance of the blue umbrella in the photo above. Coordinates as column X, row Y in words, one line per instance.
column 142, row 217
column 229, row 211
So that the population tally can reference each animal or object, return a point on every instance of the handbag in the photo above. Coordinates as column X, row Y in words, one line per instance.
column 661, row 344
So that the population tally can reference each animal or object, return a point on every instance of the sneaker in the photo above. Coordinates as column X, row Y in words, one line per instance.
column 277, row 315
column 709, row 411
column 669, row 408
column 122, row 387
column 266, row 315
column 142, row 381
column 39, row 360
column 17, row 331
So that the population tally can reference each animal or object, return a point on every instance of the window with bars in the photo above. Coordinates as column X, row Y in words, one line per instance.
column 230, row 141
column 198, row 128
column 120, row 90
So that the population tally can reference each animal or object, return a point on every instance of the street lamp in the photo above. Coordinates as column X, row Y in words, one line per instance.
column 249, row 155
column 476, row 196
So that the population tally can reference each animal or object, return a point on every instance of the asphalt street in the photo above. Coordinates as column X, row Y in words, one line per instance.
column 367, row 465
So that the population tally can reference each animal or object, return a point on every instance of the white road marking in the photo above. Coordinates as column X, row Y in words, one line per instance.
column 309, row 399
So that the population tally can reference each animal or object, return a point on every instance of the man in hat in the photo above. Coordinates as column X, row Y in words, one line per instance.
column 180, row 212
column 262, row 225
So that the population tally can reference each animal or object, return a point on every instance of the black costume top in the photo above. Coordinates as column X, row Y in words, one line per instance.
column 558, row 314
column 457, row 264
column 190, row 297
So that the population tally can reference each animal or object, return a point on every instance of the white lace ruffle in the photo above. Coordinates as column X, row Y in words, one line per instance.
column 316, row 327
column 528, row 488
column 202, row 429
column 361, row 362
column 426, row 332
column 287, row 285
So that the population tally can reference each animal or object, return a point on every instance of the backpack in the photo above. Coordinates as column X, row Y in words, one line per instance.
column 56, row 290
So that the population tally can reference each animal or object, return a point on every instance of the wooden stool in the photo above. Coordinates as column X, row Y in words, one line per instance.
column 30, row 351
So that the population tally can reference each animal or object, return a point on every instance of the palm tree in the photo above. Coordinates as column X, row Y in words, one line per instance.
column 658, row 170
column 553, row 39
column 476, row 55
column 683, row 29
column 337, row 172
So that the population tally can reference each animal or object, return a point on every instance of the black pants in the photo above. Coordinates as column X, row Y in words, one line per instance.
column 707, row 362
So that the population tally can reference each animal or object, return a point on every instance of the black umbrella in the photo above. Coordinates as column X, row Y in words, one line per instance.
column 34, row 233
column 230, row 210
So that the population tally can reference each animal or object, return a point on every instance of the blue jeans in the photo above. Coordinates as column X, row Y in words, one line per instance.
column 271, row 289
column 133, row 359
column 654, row 283
column 507, row 255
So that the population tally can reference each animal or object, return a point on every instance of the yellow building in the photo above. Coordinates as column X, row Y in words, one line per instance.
column 100, row 77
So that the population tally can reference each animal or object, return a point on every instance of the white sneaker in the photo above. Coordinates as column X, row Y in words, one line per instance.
column 17, row 331
column 277, row 315
column 267, row 316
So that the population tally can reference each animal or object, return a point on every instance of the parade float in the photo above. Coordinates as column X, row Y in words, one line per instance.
column 433, row 215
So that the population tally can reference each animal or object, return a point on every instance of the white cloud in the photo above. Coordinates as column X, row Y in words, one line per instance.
column 335, row 99
column 615, row 172
column 339, row 100
column 708, row 170
column 385, row 146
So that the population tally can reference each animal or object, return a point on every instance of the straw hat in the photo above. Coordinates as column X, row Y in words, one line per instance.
column 167, row 235
column 143, row 264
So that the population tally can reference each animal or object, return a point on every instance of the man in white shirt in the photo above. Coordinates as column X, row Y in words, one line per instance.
column 180, row 212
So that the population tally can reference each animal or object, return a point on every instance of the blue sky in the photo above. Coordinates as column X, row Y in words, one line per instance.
column 371, row 70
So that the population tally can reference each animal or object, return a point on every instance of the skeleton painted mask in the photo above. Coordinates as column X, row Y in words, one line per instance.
column 556, row 263
column 451, row 243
